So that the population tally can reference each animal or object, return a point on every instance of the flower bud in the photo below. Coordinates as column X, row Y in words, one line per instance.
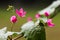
column 13, row 19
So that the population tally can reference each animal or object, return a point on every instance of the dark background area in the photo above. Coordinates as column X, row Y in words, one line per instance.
column 25, row 3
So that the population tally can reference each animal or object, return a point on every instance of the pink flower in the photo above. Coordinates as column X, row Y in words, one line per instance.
column 21, row 12
column 13, row 19
column 29, row 19
column 50, row 24
column 37, row 16
column 47, row 14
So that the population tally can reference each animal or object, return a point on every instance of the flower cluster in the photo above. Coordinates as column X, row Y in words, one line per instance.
column 47, row 20
column 27, row 27
column 22, row 13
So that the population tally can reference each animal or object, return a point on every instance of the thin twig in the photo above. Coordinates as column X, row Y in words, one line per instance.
column 17, row 37
column 9, row 38
column 12, row 30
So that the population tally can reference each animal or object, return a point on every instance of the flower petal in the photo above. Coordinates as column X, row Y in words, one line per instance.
column 47, row 14
column 37, row 16
column 51, row 24
column 21, row 12
column 29, row 19
column 49, row 20
column 17, row 12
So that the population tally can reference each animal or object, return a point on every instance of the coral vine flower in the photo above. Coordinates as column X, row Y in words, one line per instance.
column 47, row 14
column 21, row 12
column 13, row 19
column 29, row 19
column 49, row 22
column 37, row 16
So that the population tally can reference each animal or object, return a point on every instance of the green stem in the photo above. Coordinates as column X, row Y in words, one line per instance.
column 11, row 30
column 12, row 27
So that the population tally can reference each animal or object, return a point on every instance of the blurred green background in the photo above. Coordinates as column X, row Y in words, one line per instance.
column 32, row 9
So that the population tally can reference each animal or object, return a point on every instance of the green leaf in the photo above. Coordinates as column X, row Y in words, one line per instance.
column 14, row 34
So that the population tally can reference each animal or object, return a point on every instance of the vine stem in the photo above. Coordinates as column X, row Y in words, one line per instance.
column 12, row 30
column 17, row 37
column 12, row 27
